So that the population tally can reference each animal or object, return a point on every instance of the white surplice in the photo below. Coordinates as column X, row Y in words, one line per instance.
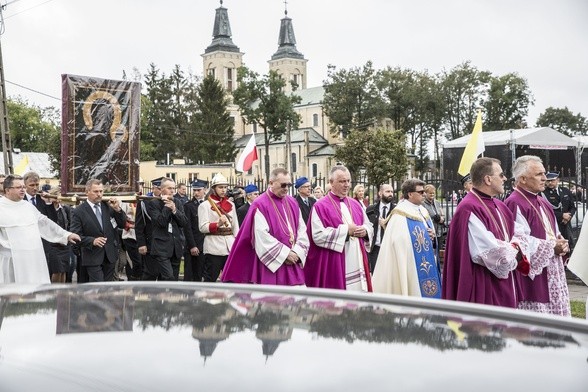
column 22, row 259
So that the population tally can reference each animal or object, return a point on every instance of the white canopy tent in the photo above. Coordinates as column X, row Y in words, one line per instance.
column 544, row 137
column 535, row 138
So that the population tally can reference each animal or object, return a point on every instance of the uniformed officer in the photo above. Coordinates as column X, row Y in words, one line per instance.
column 562, row 200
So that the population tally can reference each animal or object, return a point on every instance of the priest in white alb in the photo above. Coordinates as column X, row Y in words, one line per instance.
column 22, row 259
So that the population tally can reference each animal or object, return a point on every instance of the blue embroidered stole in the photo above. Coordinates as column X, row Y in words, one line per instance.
column 424, row 258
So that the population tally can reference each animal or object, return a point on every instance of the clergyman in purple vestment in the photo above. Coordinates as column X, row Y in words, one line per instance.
column 545, row 289
column 338, row 229
column 482, row 249
column 272, row 243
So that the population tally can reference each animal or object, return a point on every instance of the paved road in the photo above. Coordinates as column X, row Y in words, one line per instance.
column 578, row 290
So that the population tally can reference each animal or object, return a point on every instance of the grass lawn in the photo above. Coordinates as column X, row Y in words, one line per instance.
column 578, row 309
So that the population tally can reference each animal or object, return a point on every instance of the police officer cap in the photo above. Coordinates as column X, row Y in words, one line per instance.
column 199, row 184
column 251, row 188
column 301, row 181
column 156, row 182
column 466, row 179
column 552, row 175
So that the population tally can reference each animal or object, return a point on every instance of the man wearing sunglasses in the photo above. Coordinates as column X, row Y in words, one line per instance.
column 406, row 264
column 482, row 250
column 275, row 227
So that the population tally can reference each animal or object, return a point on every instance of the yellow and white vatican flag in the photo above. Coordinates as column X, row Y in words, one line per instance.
column 23, row 166
column 578, row 263
column 474, row 148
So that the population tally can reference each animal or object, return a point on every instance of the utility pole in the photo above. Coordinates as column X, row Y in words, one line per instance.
column 5, row 131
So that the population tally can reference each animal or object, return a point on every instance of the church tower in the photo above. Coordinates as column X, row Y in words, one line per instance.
column 222, row 58
column 288, row 61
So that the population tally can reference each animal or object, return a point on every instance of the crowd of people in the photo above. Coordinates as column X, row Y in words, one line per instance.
column 507, row 253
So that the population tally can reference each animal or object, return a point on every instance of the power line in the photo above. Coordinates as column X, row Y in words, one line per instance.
column 25, row 10
column 32, row 90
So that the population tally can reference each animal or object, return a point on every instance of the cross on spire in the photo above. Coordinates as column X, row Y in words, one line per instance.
column 285, row 7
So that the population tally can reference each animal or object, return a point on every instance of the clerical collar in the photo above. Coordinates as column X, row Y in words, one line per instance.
column 335, row 197
column 481, row 194
column 529, row 193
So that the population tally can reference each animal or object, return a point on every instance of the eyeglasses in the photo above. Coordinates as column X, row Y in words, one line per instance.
column 16, row 187
column 285, row 185
column 421, row 192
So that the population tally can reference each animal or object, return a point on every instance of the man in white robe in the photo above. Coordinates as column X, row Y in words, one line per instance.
column 406, row 263
column 22, row 259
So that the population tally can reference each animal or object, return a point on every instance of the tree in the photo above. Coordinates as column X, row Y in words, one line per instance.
column 31, row 127
column 464, row 89
column 564, row 121
column 262, row 100
column 381, row 153
column 414, row 103
column 158, row 129
column 352, row 99
column 508, row 102
column 209, row 136
column 35, row 129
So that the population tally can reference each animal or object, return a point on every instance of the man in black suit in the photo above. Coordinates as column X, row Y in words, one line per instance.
column 377, row 213
column 31, row 181
column 251, row 193
column 303, row 198
column 563, row 204
column 144, row 233
column 194, row 254
column 169, row 220
column 95, row 221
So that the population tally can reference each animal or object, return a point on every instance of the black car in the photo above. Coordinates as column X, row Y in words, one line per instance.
column 216, row 337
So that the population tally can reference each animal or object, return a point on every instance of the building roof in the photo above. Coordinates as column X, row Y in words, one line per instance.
column 544, row 137
column 287, row 41
column 23, row 162
column 328, row 150
column 221, row 32
column 310, row 96
column 296, row 136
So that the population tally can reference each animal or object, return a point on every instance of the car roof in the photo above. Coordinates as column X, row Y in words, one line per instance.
column 166, row 336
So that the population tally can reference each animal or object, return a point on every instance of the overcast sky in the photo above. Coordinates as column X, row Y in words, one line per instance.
column 545, row 41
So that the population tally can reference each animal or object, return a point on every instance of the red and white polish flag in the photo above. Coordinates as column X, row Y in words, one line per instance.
column 248, row 156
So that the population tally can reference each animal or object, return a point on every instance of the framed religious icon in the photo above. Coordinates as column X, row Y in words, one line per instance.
column 94, row 312
column 100, row 133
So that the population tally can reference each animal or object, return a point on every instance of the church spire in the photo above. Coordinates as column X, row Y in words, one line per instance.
column 222, row 33
column 287, row 40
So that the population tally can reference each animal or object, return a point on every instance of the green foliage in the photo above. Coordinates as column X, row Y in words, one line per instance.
column 578, row 309
column 35, row 129
column 564, row 121
column 381, row 153
column 508, row 102
column 464, row 89
column 352, row 100
column 212, row 125
column 31, row 127
column 185, row 118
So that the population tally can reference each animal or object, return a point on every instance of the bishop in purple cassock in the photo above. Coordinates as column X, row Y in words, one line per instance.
column 338, row 231
column 545, row 289
column 272, row 243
